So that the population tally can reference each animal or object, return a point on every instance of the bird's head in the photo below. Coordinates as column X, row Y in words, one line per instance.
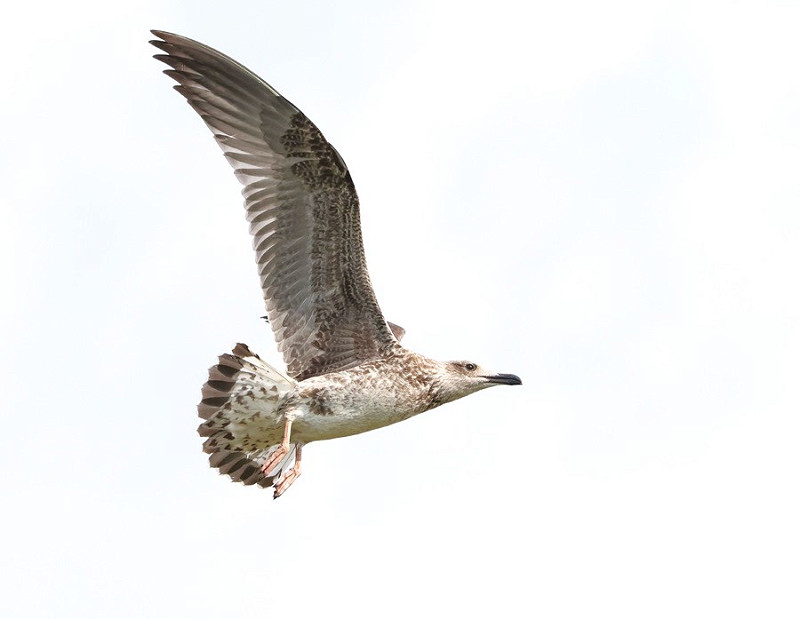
column 459, row 378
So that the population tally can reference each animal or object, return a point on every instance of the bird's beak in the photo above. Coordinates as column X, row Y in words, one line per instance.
column 504, row 379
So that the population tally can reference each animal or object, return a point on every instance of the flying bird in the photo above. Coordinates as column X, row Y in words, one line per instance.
column 347, row 372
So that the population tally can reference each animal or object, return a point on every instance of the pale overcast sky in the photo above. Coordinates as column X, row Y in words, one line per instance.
column 603, row 198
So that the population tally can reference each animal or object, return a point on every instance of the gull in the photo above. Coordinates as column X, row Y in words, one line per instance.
column 347, row 372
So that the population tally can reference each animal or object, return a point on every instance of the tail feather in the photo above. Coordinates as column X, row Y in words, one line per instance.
column 243, row 426
column 246, row 468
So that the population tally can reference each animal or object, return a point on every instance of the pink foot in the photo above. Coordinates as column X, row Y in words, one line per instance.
column 286, row 480
column 275, row 459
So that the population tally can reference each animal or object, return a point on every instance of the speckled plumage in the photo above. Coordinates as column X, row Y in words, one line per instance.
column 346, row 369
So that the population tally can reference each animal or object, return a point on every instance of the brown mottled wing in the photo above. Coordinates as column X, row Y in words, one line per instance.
column 302, row 207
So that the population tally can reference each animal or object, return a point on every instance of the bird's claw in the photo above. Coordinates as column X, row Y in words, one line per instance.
column 275, row 459
column 285, row 481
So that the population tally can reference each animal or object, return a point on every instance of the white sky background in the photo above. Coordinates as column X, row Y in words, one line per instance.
column 600, row 197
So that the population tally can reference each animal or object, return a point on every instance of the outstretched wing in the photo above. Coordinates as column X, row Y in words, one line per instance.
column 302, row 207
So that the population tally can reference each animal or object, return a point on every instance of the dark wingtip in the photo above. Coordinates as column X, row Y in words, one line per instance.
column 161, row 37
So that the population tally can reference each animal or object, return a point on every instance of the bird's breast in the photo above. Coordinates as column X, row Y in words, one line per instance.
column 333, row 406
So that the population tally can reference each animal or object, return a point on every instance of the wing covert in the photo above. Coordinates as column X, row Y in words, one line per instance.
column 302, row 208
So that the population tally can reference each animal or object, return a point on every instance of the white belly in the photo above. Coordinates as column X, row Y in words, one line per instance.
column 333, row 412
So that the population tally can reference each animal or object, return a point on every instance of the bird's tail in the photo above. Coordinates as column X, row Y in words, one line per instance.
column 242, row 424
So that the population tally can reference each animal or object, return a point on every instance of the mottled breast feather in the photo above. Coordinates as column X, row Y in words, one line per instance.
column 302, row 207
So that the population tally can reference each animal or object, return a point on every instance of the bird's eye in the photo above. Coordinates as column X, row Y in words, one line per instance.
column 470, row 366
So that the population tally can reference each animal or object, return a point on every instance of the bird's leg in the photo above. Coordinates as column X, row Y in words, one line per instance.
column 280, row 453
column 289, row 476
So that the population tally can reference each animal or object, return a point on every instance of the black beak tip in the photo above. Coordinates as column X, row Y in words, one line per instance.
column 505, row 379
